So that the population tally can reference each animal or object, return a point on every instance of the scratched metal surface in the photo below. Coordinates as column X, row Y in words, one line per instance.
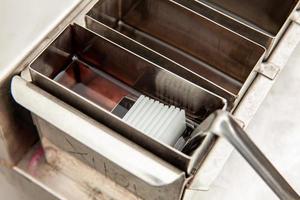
column 23, row 25
column 15, row 8
column 275, row 129
column 278, row 114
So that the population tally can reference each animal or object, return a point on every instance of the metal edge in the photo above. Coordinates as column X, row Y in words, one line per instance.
column 187, row 162
column 54, row 180
column 245, row 111
column 226, row 94
column 187, row 5
column 161, row 173
column 10, row 137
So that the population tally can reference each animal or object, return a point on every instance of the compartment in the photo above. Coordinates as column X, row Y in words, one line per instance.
column 181, row 34
column 79, row 62
column 261, row 21
column 268, row 16
column 97, row 146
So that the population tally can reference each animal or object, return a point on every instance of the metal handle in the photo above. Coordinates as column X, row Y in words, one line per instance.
column 222, row 124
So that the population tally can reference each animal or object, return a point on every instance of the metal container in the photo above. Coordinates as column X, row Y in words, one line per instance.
column 140, row 73
column 143, row 166
column 180, row 33
column 100, row 147
column 261, row 21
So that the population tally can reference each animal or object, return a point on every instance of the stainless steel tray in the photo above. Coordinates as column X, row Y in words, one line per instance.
column 185, row 36
column 71, row 129
column 261, row 21
column 87, row 46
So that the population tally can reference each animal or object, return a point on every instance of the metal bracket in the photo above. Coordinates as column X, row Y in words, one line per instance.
column 239, row 122
column 296, row 17
column 25, row 74
column 269, row 70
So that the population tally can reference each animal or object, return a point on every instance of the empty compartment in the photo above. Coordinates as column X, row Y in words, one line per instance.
column 186, row 37
column 107, row 82
column 266, row 15
column 260, row 20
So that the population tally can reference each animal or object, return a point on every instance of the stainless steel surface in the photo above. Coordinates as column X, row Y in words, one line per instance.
column 63, row 177
column 25, row 25
column 245, row 112
column 101, row 148
column 275, row 129
column 262, row 14
column 222, row 124
column 185, row 36
column 249, row 186
column 20, row 33
column 260, row 84
column 156, row 58
column 198, row 103
column 261, row 21
column 138, row 73
column 15, row 186
column 35, row 27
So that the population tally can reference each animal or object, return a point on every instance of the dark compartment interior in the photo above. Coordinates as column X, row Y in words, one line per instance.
column 203, row 47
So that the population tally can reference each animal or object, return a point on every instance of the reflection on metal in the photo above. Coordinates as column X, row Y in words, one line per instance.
column 158, row 59
column 262, row 21
column 106, row 55
column 222, row 124
column 246, row 109
column 269, row 70
column 186, row 37
column 62, row 178
column 98, row 146
column 296, row 17
column 185, row 48
column 145, row 77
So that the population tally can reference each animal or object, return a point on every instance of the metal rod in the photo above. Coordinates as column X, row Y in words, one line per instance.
column 222, row 124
